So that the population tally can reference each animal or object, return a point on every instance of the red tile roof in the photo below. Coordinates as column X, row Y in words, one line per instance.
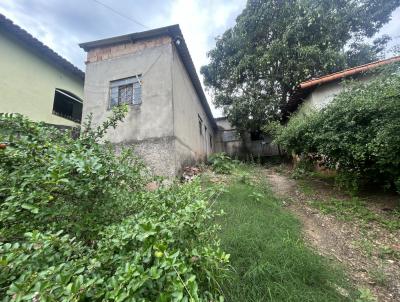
column 305, row 88
column 347, row 72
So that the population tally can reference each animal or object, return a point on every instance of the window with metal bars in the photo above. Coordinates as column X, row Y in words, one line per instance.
column 126, row 91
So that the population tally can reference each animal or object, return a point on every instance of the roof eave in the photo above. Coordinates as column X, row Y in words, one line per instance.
column 27, row 40
column 175, row 33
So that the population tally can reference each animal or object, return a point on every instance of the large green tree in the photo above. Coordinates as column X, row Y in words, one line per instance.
column 276, row 44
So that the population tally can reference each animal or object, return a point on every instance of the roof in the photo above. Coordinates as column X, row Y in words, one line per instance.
column 175, row 33
column 22, row 36
column 347, row 72
column 305, row 88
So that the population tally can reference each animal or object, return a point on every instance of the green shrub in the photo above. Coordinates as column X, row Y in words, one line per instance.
column 357, row 134
column 221, row 163
column 76, row 223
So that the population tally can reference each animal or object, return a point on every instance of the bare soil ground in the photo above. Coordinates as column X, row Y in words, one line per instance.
column 368, row 252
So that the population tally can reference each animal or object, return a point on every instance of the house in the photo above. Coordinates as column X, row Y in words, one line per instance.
column 35, row 81
column 317, row 93
column 169, row 124
column 243, row 145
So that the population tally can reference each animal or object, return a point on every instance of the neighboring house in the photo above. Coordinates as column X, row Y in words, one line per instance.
column 169, row 123
column 35, row 81
column 317, row 93
column 255, row 144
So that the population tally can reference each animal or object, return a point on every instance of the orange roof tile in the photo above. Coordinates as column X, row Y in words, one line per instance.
column 347, row 72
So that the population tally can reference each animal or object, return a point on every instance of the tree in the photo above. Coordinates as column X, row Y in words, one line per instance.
column 360, row 52
column 274, row 45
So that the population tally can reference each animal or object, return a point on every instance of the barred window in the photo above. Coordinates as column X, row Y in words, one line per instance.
column 126, row 91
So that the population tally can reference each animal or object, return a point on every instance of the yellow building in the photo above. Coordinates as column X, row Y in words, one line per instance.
column 35, row 81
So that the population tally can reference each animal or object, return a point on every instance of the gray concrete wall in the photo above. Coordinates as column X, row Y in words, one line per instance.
column 191, row 146
column 243, row 146
column 148, row 127
column 234, row 148
column 164, row 129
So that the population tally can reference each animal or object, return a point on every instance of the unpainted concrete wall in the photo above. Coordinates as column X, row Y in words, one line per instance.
column 243, row 147
column 163, row 130
column 148, row 127
column 190, row 144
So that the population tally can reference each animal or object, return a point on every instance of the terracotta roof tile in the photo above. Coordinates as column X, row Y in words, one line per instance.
column 347, row 72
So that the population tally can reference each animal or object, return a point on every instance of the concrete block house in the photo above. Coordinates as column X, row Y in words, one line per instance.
column 169, row 124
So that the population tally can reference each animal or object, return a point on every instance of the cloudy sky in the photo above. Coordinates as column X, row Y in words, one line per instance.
column 62, row 25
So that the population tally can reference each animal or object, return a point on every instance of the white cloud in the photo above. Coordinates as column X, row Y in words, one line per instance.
column 63, row 24
column 200, row 22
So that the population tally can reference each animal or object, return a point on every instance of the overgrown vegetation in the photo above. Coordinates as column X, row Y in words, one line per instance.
column 357, row 134
column 270, row 261
column 76, row 223
column 221, row 163
column 356, row 208
column 275, row 45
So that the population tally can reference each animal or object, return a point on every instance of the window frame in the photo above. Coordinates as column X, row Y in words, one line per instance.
column 136, row 98
column 64, row 97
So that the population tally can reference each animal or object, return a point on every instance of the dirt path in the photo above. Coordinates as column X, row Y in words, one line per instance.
column 341, row 240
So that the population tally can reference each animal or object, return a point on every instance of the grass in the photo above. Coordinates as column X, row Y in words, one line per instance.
column 355, row 208
column 378, row 276
column 269, row 259
column 306, row 188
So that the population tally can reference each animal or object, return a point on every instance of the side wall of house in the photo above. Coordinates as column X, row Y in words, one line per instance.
column 321, row 97
column 148, row 127
column 191, row 145
column 324, row 94
column 28, row 83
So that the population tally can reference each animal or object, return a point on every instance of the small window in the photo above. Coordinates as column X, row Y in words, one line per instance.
column 211, row 140
column 67, row 105
column 200, row 125
column 126, row 91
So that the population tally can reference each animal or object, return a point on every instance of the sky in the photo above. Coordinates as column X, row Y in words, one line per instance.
column 62, row 25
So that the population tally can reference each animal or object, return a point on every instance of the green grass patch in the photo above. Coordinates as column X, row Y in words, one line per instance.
column 356, row 208
column 269, row 259
column 306, row 188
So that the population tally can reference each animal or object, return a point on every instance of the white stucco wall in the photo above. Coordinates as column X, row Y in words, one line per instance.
column 324, row 94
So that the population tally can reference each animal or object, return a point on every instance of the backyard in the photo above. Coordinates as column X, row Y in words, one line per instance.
column 81, row 223
column 303, row 240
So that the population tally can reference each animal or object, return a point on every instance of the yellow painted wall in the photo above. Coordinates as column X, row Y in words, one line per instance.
column 28, row 83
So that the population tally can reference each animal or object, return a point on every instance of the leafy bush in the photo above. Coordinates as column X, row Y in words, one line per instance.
column 357, row 134
column 76, row 223
column 221, row 163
